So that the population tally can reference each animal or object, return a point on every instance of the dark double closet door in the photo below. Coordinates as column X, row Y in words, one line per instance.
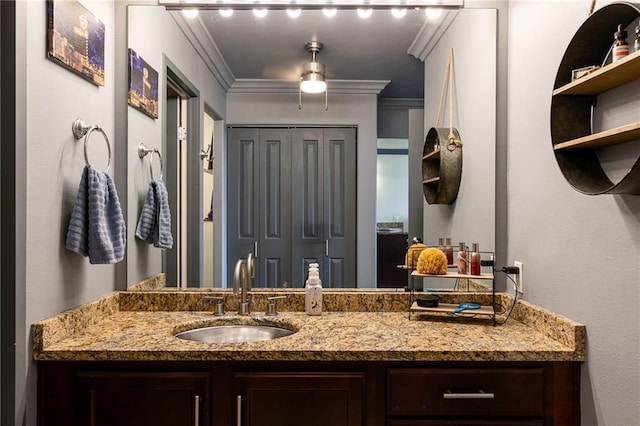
column 291, row 201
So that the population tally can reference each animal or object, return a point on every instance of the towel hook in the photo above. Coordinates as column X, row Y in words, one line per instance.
column 81, row 129
column 143, row 150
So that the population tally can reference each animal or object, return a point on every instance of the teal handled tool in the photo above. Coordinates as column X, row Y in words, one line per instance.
column 464, row 306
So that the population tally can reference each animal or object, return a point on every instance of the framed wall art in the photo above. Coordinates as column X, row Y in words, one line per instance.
column 75, row 39
column 143, row 85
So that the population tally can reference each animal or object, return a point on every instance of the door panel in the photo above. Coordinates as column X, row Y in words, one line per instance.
column 340, row 207
column 274, row 244
column 307, row 210
column 242, row 201
column 294, row 399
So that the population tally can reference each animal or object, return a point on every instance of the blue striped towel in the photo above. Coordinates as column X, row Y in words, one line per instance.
column 154, row 225
column 97, row 228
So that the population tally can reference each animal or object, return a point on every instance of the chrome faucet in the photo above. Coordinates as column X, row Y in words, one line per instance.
column 242, row 282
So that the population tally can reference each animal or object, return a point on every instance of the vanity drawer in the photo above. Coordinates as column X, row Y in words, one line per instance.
column 465, row 391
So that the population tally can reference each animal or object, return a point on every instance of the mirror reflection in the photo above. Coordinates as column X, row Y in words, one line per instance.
column 242, row 145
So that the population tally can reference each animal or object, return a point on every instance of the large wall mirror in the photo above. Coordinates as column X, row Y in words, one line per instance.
column 256, row 86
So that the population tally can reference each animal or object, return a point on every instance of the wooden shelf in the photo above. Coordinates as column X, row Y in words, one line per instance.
column 432, row 180
column 619, row 135
column 454, row 275
column 606, row 78
column 433, row 155
column 448, row 308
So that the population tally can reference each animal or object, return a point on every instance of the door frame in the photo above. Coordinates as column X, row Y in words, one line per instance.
column 8, row 269
column 194, row 178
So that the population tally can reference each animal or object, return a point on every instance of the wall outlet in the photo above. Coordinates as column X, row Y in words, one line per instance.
column 520, row 276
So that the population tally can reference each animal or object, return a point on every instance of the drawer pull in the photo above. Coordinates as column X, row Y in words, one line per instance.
column 196, row 410
column 239, row 410
column 476, row 395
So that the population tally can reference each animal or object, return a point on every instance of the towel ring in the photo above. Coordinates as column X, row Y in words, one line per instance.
column 143, row 151
column 80, row 129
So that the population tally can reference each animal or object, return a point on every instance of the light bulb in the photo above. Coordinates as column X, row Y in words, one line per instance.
column 260, row 13
column 294, row 13
column 329, row 13
column 398, row 13
column 364, row 13
column 313, row 86
column 225, row 12
column 433, row 13
column 190, row 13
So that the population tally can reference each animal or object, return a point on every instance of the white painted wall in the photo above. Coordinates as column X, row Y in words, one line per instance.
column 580, row 252
column 473, row 37
column 344, row 109
column 152, row 33
column 55, row 278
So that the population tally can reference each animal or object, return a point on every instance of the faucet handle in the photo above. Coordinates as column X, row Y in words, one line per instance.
column 271, row 305
column 219, row 309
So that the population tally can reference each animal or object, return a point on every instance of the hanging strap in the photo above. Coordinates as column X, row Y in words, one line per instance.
column 448, row 83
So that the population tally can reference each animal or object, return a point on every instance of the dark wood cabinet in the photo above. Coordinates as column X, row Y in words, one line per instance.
column 292, row 399
column 73, row 395
column 308, row 393
column 392, row 249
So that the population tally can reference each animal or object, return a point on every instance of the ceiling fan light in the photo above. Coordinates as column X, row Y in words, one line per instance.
column 398, row 13
column 225, row 12
column 294, row 13
column 313, row 83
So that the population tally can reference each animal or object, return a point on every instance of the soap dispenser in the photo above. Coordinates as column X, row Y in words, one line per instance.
column 313, row 291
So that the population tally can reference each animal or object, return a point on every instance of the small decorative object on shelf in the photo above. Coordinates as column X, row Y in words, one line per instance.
column 474, row 259
column 462, row 258
column 448, row 250
column 636, row 43
column 413, row 253
column 581, row 72
column 620, row 45
column 432, row 261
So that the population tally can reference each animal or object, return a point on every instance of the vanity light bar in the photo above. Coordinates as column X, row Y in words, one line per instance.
column 308, row 4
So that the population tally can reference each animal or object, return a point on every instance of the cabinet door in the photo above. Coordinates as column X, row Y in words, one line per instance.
column 294, row 399
column 133, row 399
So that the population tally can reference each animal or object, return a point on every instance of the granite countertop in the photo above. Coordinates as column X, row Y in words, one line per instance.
column 356, row 326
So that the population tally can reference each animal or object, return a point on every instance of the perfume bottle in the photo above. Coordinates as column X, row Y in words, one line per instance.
column 620, row 45
column 474, row 259
column 462, row 258
column 448, row 250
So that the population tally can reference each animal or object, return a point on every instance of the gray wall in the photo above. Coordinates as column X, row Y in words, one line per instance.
column 152, row 33
column 351, row 110
column 51, row 160
column 580, row 252
column 471, row 218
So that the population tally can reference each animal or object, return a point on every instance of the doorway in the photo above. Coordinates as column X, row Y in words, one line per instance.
column 183, row 263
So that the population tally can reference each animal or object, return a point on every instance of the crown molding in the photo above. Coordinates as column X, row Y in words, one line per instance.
column 401, row 103
column 430, row 34
column 360, row 87
column 197, row 34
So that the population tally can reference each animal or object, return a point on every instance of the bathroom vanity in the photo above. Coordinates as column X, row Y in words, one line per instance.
column 117, row 361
